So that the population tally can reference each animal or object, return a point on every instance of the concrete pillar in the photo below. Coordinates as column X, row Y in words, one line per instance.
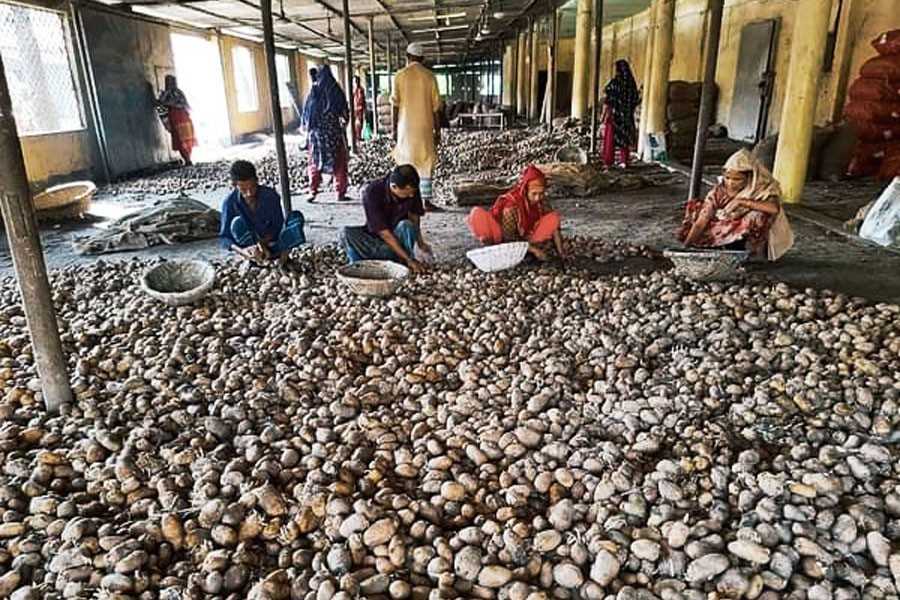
column 798, row 115
column 657, row 88
column 552, row 64
column 509, row 72
column 582, row 70
column 534, row 93
column 645, row 74
column 529, row 61
column 523, row 76
column 597, row 48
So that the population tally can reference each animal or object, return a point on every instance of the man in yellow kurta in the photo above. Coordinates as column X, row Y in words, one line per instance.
column 417, row 131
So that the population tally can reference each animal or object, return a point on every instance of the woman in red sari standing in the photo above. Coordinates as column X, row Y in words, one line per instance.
column 359, row 107
column 178, row 119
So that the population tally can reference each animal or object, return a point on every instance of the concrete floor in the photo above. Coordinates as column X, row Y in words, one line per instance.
column 820, row 259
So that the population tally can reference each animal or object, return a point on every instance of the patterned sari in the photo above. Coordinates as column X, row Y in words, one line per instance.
column 726, row 227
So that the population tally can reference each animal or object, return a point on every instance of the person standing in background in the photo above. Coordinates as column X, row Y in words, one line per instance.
column 359, row 107
column 416, row 124
column 622, row 98
column 174, row 110
column 324, row 117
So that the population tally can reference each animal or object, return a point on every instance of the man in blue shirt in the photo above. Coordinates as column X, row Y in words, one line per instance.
column 253, row 225
column 393, row 208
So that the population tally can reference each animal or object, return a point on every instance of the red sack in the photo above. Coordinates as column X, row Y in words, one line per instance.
column 878, row 90
column 868, row 111
column 861, row 166
column 890, row 166
column 878, row 132
column 882, row 67
column 867, row 160
column 887, row 43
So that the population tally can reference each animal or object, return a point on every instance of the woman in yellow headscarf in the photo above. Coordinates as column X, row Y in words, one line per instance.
column 738, row 212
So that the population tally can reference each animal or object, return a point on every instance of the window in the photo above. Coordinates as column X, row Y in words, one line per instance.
column 245, row 79
column 283, row 71
column 36, row 54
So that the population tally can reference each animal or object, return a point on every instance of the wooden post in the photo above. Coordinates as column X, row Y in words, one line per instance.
column 595, row 83
column 28, row 260
column 374, row 79
column 707, row 105
column 348, row 74
column 277, row 122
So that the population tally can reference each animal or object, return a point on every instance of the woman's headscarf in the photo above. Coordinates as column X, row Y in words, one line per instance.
column 172, row 96
column 517, row 197
column 762, row 184
column 623, row 97
column 325, row 97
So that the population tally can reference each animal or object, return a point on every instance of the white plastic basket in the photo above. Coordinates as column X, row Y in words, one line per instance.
column 707, row 265
column 179, row 282
column 373, row 277
column 499, row 256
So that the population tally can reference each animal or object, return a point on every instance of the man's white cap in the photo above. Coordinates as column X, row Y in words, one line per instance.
column 415, row 49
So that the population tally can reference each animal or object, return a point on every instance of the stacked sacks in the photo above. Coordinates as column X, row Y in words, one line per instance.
column 874, row 108
column 830, row 151
column 682, row 113
column 385, row 115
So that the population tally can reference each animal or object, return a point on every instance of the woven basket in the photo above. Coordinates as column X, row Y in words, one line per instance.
column 379, row 278
column 66, row 199
column 707, row 265
column 499, row 256
column 179, row 282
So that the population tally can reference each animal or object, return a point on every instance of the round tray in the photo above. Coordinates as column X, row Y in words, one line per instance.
column 707, row 264
column 179, row 282
column 378, row 278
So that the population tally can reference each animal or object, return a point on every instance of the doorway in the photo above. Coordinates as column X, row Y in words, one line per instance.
column 754, row 83
column 198, row 66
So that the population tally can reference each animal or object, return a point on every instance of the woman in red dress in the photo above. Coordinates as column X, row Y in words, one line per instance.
column 178, row 119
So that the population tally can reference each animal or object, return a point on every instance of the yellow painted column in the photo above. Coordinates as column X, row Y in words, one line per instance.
column 645, row 73
column 802, row 90
column 523, row 76
column 657, row 87
column 507, row 75
column 581, row 73
column 534, row 103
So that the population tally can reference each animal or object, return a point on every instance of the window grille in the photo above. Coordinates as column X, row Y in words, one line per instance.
column 245, row 79
column 37, row 57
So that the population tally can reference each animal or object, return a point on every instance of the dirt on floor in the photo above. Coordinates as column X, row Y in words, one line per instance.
column 820, row 259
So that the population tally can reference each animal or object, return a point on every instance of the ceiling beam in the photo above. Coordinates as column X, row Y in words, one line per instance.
column 393, row 19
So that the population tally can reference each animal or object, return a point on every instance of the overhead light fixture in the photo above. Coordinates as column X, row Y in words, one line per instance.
column 440, row 29
column 448, row 16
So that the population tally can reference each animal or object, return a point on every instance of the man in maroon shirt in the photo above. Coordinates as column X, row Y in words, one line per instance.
column 393, row 207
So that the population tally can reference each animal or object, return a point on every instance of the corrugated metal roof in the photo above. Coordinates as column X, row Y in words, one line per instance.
column 452, row 29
